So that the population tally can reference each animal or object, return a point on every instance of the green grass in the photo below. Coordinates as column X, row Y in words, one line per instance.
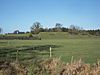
column 64, row 35
column 57, row 35
column 87, row 49
column 17, row 34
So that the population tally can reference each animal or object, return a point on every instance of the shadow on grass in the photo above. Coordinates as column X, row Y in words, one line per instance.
column 25, row 52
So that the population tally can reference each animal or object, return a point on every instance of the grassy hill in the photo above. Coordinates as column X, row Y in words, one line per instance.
column 57, row 35
column 63, row 45
column 63, row 35
column 87, row 49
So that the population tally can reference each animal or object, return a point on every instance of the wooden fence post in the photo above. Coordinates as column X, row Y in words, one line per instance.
column 17, row 55
column 50, row 53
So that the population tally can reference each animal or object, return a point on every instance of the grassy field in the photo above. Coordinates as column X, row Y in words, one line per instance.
column 57, row 35
column 87, row 49
column 31, row 57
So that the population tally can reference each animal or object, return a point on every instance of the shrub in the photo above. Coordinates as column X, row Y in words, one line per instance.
column 30, row 35
column 56, row 67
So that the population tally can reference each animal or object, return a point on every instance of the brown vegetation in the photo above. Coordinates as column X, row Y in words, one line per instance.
column 7, row 68
column 52, row 66
column 56, row 67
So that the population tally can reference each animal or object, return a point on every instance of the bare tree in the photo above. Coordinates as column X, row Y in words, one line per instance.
column 1, row 30
column 74, row 29
column 58, row 27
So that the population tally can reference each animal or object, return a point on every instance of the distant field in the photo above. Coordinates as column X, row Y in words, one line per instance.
column 17, row 34
column 57, row 35
column 87, row 49
column 64, row 35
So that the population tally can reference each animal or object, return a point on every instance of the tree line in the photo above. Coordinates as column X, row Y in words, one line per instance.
column 36, row 28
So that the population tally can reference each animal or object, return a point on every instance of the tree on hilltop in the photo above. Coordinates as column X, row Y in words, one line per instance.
column 35, row 28
column 58, row 27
